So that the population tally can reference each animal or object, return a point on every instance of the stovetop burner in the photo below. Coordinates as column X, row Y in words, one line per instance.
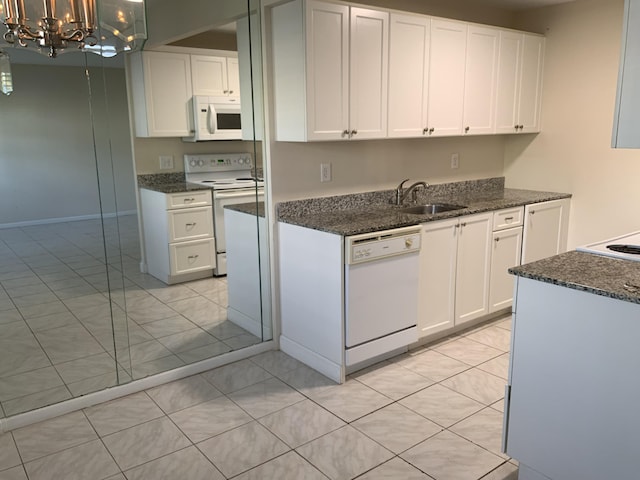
column 630, row 249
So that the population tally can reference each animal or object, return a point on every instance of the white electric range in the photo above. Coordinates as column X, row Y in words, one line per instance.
column 625, row 246
column 230, row 177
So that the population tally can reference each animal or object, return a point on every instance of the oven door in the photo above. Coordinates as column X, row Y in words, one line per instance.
column 220, row 199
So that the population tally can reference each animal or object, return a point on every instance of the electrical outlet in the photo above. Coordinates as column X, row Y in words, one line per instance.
column 166, row 162
column 455, row 158
column 325, row 172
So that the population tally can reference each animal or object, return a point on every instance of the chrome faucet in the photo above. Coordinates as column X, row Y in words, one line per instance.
column 401, row 194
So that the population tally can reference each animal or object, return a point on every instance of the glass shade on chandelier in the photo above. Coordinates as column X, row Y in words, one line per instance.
column 105, row 27
column 6, row 80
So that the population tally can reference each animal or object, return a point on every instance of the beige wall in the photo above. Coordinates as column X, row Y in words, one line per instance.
column 371, row 165
column 573, row 153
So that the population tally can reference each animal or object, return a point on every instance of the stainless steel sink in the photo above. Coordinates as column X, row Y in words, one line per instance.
column 431, row 208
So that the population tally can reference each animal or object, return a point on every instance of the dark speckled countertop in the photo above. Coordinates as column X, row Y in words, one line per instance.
column 588, row 272
column 379, row 214
column 251, row 208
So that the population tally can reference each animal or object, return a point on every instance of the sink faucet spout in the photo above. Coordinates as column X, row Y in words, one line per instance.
column 401, row 194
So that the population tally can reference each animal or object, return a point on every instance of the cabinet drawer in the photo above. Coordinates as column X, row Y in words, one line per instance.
column 197, row 198
column 507, row 218
column 187, row 257
column 190, row 224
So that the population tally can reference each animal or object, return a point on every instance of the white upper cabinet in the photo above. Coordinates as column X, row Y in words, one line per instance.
column 330, row 71
column 446, row 77
column 215, row 76
column 626, row 121
column 519, row 86
column 160, row 85
column 409, row 37
column 342, row 72
column 480, row 80
column 368, row 60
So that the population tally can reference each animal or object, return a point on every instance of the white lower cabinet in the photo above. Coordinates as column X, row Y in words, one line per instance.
column 506, row 248
column 454, row 272
column 178, row 235
column 546, row 226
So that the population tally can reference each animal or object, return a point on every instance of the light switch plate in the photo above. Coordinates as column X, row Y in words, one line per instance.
column 325, row 172
column 166, row 162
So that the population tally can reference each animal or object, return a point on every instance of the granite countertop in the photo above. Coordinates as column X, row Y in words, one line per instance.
column 175, row 187
column 588, row 272
column 382, row 215
column 251, row 208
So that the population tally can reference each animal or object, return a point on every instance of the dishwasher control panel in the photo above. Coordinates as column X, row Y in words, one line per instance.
column 377, row 245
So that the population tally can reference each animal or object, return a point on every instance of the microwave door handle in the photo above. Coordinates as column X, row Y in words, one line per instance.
column 211, row 120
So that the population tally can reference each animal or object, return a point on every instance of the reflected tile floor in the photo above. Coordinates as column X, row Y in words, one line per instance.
column 270, row 417
column 56, row 307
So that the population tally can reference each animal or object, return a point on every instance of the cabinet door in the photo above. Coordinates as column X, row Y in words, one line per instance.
column 473, row 267
column 167, row 93
column 437, row 276
column 209, row 75
column 446, row 77
column 369, row 54
column 506, row 249
column 480, row 80
column 545, row 229
column 327, row 36
column 508, row 84
column 233, row 77
column 530, row 99
column 408, row 75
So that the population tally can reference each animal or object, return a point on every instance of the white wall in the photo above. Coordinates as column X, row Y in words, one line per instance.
column 573, row 153
column 47, row 160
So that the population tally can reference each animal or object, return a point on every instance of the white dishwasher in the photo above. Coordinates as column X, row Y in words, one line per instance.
column 381, row 292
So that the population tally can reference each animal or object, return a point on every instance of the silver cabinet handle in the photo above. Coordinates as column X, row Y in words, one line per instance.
column 193, row 257
column 425, row 130
column 508, row 219
column 466, row 129
column 189, row 200
column 354, row 132
column 431, row 130
column 345, row 133
column 225, row 91
column 497, row 239
column 190, row 224
column 230, row 91
column 532, row 212
column 463, row 224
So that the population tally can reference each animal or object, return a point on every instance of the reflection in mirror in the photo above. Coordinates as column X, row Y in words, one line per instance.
column 78, row 311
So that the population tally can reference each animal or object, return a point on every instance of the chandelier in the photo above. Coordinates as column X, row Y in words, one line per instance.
column 105, row 27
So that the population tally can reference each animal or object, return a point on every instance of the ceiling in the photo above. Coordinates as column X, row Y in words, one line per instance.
column 523, row 4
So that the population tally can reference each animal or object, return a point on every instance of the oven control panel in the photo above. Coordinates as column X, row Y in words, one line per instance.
column 213, row 162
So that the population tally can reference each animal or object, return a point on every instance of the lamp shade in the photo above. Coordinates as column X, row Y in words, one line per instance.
column 6, row 80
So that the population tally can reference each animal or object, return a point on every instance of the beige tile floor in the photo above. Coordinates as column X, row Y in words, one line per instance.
column 433, row 413
column 56, row 307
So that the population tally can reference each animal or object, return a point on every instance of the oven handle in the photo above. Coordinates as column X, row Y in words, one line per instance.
column 236, row 194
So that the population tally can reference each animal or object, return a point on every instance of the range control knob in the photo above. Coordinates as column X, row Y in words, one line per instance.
column 192, row 162
column 200, row 163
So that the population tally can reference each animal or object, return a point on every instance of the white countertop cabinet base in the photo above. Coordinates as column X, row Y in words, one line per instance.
column 574, row 389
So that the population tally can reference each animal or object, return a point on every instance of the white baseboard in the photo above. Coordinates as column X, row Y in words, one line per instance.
column 310, row 358
column 47, row 221
column 68, row 406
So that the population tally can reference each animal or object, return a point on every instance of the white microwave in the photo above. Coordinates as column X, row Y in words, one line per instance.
column 215, row 118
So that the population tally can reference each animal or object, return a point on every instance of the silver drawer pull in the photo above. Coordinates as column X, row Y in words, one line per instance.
column 192, row 257
column 508, row 219
column 189, row 200
column 497, row 239
column 190, row 224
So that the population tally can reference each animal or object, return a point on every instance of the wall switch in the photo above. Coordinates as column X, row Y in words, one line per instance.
column 166, row 162
column 325, row 172
column 455, row 158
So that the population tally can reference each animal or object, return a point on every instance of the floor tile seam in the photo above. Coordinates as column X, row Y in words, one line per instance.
column 462, row 361
column 499, row 466
column 485, row 343
column 404, row 396
column 408, row 448
column 63, row 383
column 254, row 467
column 464, row 394
column 104, row 445
column 477, row 444
column 429, row 477
column 265, row 415
column 84, row 411
column 124, row 472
